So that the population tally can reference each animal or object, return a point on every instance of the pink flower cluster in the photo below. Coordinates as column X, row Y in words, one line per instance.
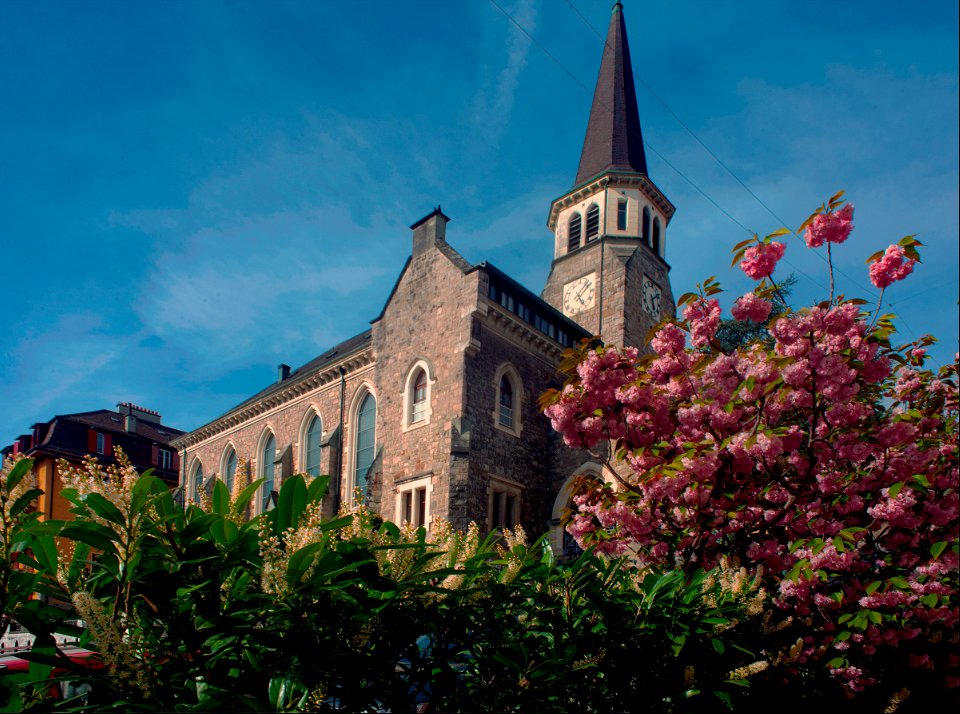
column 751, row 307
column 760, row 260
column 893, row 266
column 704, row 317
column 831, row 227
column 809, row 461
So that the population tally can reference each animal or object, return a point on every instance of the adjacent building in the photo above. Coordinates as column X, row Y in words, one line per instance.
column 139, row 432
column 432, row 410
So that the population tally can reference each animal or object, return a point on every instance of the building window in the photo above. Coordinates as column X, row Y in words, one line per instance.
column 417, row 395
column 419, row 410
column 504, row 504
column 101, row 443
column 228, row 467
column 268, row 455
column 364, row 442
column 656, row 236
column 311, row 446
column 622, row 214
column 573, row 232
column 506, row 403
column 166, row 459
column 645, row 233
column 413, row 502
column 196, row 481
column 593, row 222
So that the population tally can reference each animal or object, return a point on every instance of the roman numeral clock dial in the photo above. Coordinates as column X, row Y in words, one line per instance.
column 579, row 294
column 651, row 298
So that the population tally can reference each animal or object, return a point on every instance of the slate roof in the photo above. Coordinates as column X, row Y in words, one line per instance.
column 613, row 141
column 334, row 354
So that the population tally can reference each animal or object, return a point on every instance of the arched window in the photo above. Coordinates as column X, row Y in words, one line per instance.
column 268, row 455
column 228, row 467
column 418, row 388
column 364, row 443
column 506, row 403
column 593, row 222
column 196, row 481
column 311, row 446
column 508, row 398
column 573, row 231
column 645, row 234
column 656, row 236
column 419, row 403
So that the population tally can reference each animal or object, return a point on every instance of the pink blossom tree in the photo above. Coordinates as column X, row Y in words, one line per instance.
column 826, row 464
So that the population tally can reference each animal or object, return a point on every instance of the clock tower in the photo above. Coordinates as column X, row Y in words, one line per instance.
column 609, row 270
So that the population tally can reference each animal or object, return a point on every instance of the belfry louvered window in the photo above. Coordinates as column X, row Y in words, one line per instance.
column 656, row 236
column 645, row 234
column 593, row 222
column 573, row 232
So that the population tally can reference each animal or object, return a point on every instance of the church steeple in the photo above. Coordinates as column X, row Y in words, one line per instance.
column 609, row 270
column 613, row 141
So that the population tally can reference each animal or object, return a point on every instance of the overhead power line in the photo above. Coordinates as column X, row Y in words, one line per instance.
column 719, row 161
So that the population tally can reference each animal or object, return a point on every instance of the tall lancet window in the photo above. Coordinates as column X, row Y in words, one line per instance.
column 574, row 228
column 656, row 236
column 593, row 222
column 228, row 469
column 267, row 472
column 506, row 402
column 645, row 234
column 364, row 444
column 312, row 436
column 197, row 481
column 419, row 398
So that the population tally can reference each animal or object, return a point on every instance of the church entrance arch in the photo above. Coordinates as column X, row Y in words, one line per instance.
column 562, row 543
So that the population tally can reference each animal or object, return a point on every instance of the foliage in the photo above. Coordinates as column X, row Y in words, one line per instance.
column 824, row 460
column 201, row 610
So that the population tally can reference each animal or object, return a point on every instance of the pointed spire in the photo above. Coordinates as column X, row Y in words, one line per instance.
column 613, row 141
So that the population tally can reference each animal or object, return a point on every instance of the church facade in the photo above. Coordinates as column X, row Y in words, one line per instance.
column 432, row 412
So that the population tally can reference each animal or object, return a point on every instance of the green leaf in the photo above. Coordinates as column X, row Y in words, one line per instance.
column 291, row 503
column 221, row 498
column 243, row 498
column 937, row 548
column 45, row 553
column 19, row 470
column 317, row 490
column 725, row 698
column 873, row 587
column 301, row 561
column 718, row 645
column 93, row 534
column 895, row 489
column 24, row 500
column 224, row 532
column 103, row 508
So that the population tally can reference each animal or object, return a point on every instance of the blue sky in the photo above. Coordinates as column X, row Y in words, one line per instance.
column 195, row 192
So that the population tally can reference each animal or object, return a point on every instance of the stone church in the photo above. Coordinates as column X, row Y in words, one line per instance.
column 432, row 412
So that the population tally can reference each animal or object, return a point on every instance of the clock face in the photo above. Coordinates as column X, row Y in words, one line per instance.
column 579, row 294
column 651, row 298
